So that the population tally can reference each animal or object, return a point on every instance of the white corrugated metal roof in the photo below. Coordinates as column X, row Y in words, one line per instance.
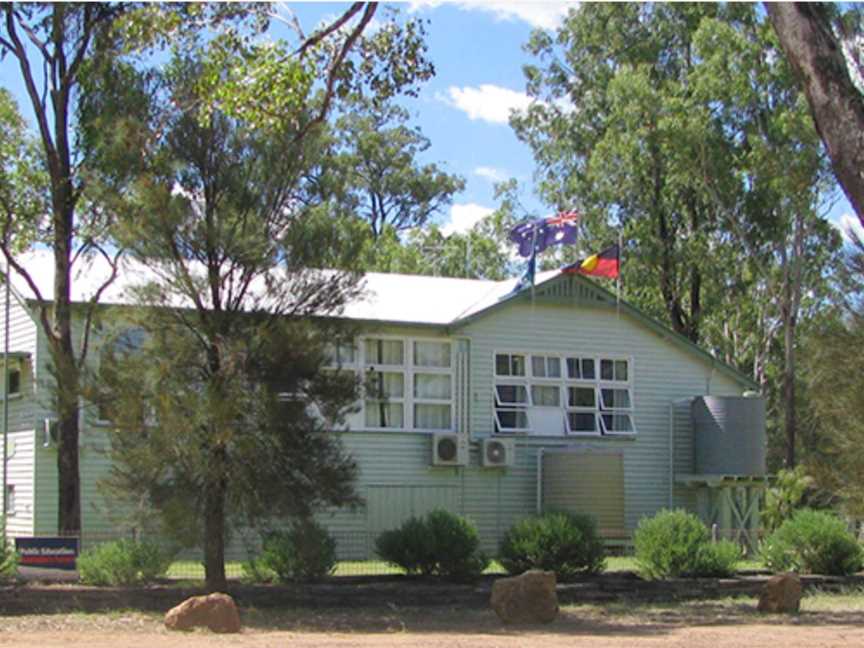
column 386, row 297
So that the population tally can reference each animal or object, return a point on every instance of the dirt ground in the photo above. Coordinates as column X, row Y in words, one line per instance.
column 702, row 625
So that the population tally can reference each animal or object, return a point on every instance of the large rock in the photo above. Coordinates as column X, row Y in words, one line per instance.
column 528, row 598
column 214, row 611
column 781, row 594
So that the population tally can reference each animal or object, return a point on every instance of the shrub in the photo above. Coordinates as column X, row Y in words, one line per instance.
column 123, row 562
column 410, row 547
column 456, row 546
column 439, row 543
column 813, row 541
column 671, row 544
column 305, row 552
column 565, row 543
column 717, row 559
column 787, row 495
column 8, row 559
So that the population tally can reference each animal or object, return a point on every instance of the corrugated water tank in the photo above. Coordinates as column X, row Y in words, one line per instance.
column 729, row 435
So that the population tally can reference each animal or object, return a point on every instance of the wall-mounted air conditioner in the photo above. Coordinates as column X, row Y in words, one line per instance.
column 498, row 453
column 449, row 450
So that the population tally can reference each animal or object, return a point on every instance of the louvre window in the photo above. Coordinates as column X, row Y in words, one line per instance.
column 592, row 394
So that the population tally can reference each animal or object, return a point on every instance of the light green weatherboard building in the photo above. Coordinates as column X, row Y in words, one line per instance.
column 499, row 405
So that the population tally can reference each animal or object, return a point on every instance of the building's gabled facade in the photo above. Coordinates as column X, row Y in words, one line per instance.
column 495, row 405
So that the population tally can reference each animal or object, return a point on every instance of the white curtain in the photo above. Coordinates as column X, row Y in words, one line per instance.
column 432, row 354
column 381, row 414
column 388, row 352
column 432, row 417
column 435, row 386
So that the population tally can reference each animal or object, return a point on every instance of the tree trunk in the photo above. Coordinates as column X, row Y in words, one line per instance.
column 214, row 528
column 837, row 107
column 790, row 421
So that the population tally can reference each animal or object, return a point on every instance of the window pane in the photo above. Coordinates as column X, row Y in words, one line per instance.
column 615, row 398
column 386, row 385
column 617, row 423
column 432, row 417
column 582, row 422
column 14, row 381
column 432, row 386
column 588, row 369
column 573, row 369
column 538, row 366
column 606, row 370
column 548, row 395
column 432, row 354
column 517, row 365
column 389, row 352
column 516, row 394
column 621, row 370
column 512, row 419
column 553, row 367
column 340, row 354
column 385, row 415
column 581, row 397
column 502, row 364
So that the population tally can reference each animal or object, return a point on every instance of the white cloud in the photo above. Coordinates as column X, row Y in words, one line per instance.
column 848, row 223
column 491, row 173
column 465, row 216
column 545, row 15
column 487, row 102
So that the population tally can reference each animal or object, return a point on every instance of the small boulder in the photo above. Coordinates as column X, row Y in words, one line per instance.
column 214, row 611
column 781, row 594
column 527, row 598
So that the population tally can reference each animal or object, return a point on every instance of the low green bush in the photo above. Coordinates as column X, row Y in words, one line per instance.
column 8, row 559
column 717, row 559
column 123, row 562
column 565, row 543
column 439, row 543
column 816, row 542
column 410, row 547
column 676, row 543
column 304, row 552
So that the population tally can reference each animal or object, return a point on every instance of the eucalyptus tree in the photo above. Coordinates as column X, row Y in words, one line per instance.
column 681, row 126
column 375, row 167
column 823, row 43
column 55, row 47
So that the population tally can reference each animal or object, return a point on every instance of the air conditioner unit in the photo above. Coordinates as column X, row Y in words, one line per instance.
column 498, row 453
column 449, row 450
column 51, row 430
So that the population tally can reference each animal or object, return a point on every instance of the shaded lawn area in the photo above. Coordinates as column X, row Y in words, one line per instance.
column 194, row 571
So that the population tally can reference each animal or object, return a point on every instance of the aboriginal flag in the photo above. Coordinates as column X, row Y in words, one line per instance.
column 604, row 264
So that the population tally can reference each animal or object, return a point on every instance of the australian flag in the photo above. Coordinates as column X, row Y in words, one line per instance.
column 535, row 236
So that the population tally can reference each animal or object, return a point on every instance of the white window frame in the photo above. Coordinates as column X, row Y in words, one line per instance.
column 409, row 369
column 564, row 382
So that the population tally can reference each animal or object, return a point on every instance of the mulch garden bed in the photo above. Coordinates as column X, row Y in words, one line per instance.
column 399, row 591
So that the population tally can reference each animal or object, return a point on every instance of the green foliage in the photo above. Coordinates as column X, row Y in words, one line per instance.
column 717, row 559
column 305, row 552
column 816, row 542
column 832, row 358
column 8, row 560
column 565, row 543
column 123, row 562
column 676, row 543
column 785, row 496
column 439, row 543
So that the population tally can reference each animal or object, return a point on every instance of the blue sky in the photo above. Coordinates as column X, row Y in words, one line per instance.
column 477, row 51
